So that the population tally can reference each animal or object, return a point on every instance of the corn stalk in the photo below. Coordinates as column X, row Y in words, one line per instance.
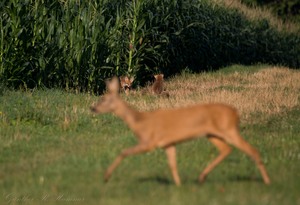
column 76, row 45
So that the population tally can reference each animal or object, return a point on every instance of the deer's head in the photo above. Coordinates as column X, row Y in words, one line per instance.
column 108, row 102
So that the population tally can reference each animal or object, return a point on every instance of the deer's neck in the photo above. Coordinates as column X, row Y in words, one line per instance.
column 128, row 114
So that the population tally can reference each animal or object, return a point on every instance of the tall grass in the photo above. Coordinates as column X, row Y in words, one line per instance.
column 77, row 44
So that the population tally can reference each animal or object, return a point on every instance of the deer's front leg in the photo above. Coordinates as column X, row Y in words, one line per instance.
column 140, row 148
column 171, row 154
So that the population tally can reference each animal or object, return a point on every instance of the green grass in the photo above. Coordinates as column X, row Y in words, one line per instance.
column 54, row 151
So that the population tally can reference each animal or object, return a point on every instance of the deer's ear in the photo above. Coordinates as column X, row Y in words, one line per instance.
column 113, row 85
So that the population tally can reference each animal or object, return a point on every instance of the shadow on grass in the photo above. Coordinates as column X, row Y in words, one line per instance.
column 158, row 179
column 248, row 178
column 230, row 179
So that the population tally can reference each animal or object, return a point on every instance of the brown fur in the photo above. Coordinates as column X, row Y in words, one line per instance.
column 158, row 86
column 166, row 128
column 126, row 83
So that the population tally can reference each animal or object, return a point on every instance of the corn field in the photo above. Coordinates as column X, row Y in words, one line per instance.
column 75, row 44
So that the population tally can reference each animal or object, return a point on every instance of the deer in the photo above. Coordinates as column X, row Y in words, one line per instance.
column 126, row 83
column 165, row 128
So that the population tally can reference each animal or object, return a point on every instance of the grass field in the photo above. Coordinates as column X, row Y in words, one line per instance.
column 54, row 151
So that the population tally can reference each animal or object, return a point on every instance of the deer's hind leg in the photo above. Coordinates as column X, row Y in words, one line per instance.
column 224, row 150
column 244, row 146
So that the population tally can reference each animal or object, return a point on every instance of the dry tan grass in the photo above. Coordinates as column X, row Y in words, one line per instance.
column 259, row 13
column 265, row 92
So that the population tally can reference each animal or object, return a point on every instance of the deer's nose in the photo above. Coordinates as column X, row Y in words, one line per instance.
column 93, row 108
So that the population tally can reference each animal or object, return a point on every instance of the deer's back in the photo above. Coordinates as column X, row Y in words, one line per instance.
column 182, row 123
